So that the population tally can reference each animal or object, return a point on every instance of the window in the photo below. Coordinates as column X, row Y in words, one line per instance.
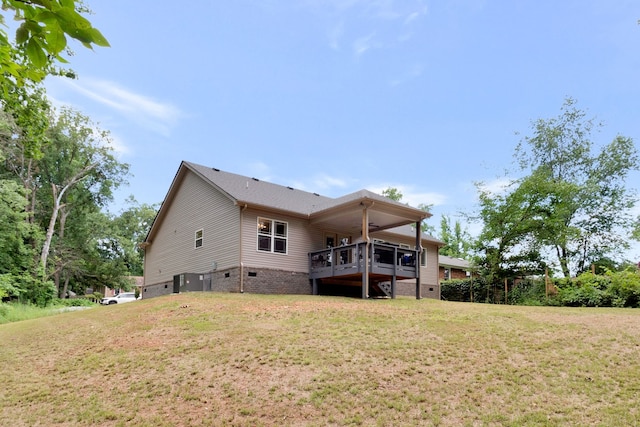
column 423, row 258
column 272, row 236
column 198, row 238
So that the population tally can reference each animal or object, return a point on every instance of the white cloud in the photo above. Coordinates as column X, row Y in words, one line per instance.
column 158, row 116
column 325, row 182
column 335, row 35
column 412, row 73
column 497, row 186
column 412, row 197
column 363, row 44
column 260, row 170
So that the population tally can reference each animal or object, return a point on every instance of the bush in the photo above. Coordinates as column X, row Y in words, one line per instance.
column 586, row 290
column 460, row 290
column 528, row 292
column 74, row 302
column 624, row 288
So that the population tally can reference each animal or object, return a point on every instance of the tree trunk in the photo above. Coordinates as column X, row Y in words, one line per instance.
column 57, row 199
column 564, row 263
column 58, row 273
column 46, row 246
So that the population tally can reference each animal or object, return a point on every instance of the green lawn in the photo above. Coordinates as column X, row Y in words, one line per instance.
column 251, row 360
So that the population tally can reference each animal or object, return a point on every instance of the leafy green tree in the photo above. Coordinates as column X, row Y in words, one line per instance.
column 41, row 37
column 396, row 195
column 457, row 241
column 393, row 194
column 584, row 214
column 15, row 255
column 505, row 246
column 130, row 229
column 571, row 206
column 80, row 170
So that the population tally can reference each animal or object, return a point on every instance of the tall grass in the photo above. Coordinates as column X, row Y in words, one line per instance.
column 16, row 312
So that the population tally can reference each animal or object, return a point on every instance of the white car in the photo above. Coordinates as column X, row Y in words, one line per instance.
column 121, row 298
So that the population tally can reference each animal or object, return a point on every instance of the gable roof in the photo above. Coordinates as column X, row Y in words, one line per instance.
column 252, row 191
column 459, row 263
column 246, row 191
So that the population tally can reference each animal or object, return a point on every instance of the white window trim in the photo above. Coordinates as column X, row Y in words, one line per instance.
column 201, row 239
column 272, row 236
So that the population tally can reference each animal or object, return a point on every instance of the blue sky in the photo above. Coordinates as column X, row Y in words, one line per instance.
column 335, row 96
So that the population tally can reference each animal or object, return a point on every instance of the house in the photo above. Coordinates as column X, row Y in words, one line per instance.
column 219, row 231
column 453, row 268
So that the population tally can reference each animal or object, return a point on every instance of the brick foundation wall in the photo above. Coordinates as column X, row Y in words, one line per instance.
column 409, row 289
column 226, row 280
column 157, row 290
column 268, row 281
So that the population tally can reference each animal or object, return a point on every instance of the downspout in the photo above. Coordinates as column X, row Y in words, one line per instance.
column 241, row 258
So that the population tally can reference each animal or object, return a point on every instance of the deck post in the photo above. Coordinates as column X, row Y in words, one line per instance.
column 419, row 252
column 365, row 256
column 393, row 287
column 315, row 286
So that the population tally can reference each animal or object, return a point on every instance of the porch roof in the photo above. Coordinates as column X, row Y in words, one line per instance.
column 342, row 213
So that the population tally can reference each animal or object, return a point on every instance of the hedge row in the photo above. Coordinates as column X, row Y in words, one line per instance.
column 613, row 289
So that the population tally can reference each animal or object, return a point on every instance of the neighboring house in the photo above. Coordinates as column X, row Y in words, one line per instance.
column 453, row 268
column 218, row 231
column 136, row 282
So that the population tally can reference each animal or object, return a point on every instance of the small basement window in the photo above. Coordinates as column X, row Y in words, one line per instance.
column 198, row 239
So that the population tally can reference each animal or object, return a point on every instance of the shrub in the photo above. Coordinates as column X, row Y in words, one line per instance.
column 528, row 292
column 586, row 290
column 624, row 288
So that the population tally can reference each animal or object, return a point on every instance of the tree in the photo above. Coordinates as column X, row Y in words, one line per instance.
column 457, row 241
column 505, row 245
column 392, row 193
column 130, row 228
column 79, row 168
column 41, row 37
column 395, row 195
column 587, row 204
column 571, row 205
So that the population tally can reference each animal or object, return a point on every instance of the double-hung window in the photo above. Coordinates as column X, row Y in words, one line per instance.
column 198, row 238
column 272, row 235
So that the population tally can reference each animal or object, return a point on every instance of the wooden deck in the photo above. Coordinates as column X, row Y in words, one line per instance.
column 345, row 264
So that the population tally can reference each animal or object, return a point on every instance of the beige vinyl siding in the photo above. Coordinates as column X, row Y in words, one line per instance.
column 299, row 241
column 196, row 206
column 429, row 274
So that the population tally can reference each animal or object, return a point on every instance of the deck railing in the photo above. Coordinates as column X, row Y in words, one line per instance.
column 348, row 260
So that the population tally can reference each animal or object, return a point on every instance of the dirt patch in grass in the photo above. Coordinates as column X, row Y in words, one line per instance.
column 250, row 360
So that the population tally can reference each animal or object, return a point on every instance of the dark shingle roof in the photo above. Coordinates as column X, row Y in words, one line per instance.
column 243, row 189
column 454, row 262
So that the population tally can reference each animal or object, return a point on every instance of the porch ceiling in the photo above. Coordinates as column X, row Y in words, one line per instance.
column 381, row 216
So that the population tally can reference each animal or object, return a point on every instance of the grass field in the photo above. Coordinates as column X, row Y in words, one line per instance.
column 251, row 360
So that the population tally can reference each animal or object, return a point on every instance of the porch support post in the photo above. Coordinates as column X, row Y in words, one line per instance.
column 417, row 261
column 393, row 287
column 365, row 256
column 315, row 286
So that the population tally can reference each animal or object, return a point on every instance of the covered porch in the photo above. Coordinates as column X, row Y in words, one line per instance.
column 374, row 267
